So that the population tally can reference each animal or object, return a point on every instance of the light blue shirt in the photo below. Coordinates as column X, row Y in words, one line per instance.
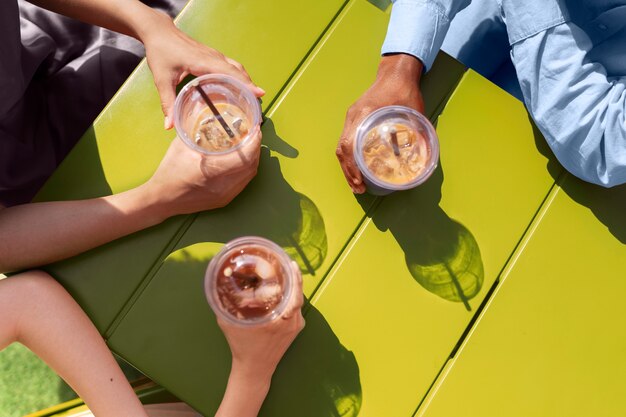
column 570, row 59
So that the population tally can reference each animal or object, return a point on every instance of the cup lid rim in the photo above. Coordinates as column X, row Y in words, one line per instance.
column 180, row 132
column 431, row 137
column 229, row 247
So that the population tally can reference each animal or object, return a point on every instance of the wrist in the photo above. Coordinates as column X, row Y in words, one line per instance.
column 142, row 203
column 148, row 23
column 254, row 375
column 400, row 66
column 244, row 384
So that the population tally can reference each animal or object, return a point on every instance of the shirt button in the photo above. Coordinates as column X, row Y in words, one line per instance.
column 602, row 26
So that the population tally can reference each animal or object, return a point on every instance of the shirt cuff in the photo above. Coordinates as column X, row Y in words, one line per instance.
column 416, row 28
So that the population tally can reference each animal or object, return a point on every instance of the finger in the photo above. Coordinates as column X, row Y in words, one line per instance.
column 348, row 166
column 255, row 143
column 345, row 149
column 248, row 155
column 223, row 66
column 258, row 91
column 298, row 299
column 166, row 88
column 353, row 177
column 239, row 66
column 296, row 270
column 357, row 185
column 182, row 77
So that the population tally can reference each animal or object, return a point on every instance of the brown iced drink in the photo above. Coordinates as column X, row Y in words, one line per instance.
column 209, row 134
column 395, row 153
column 250, row 282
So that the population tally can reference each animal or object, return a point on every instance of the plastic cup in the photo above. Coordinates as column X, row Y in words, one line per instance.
column 201, row 129
column 396, row 148
column 250, row 281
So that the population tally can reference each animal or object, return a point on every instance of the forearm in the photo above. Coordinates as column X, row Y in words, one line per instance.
column 244, row 394
column 37, row 312
column 130, row 17
column 40, row 233
column 581, row 113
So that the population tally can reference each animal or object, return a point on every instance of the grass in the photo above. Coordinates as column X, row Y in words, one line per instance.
column 27, row 384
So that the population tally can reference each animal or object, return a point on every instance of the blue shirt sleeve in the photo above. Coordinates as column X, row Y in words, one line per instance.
column 418, row 27
column 579, row 109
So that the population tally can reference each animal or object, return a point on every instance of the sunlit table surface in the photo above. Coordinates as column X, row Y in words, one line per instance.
column 501, row 274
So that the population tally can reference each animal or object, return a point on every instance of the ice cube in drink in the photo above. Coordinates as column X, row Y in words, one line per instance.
column 209, row 134
column 396, row 148
column 396, row 166
column 250, row 283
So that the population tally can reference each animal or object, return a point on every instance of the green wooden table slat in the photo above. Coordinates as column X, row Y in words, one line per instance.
column 411, row 281
column 300, row 192
column 127, row 141
column 299, row 183
column 551, row 342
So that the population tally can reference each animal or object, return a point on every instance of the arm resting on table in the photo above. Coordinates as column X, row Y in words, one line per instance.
column 37, row 312
column 40, row 233
column 580, row 111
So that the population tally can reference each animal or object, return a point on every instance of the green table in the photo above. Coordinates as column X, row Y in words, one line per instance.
column 395, row 284
column 127, row 140
column 551, row 341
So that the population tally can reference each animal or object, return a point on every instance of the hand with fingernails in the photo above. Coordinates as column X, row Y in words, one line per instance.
column 256, row 351
column 172, row 55
column 397, row 83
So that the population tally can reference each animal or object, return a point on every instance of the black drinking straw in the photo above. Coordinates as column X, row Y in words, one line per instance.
column 394, row 142
column 216, row 112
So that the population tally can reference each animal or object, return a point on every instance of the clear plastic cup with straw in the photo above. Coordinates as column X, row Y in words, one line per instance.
column 396, row 148
column 250, row 281
column 216, row 114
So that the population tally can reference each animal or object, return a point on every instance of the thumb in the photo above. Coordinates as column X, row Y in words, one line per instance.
column 167, row 92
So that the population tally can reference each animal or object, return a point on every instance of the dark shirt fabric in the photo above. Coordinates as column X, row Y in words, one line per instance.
column 56, row 75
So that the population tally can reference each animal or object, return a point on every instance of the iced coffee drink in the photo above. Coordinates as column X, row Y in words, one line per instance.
column 210, row 135
column 249, row 281
column 396, row 149
column 216, row 114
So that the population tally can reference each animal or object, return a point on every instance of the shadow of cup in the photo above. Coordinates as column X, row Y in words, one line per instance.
column 307, row 243
column 318, row 377
column 441, row 254
column 453, row 271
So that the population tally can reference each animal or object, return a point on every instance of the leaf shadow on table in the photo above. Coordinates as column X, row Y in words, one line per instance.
column 173, row 335
column 607, row 204
column 441, row 254
column 271, row 208
column 318, row 377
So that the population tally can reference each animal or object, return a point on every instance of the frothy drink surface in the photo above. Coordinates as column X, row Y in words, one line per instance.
column 413, row 153
column 209, row 134
column 250, row 283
